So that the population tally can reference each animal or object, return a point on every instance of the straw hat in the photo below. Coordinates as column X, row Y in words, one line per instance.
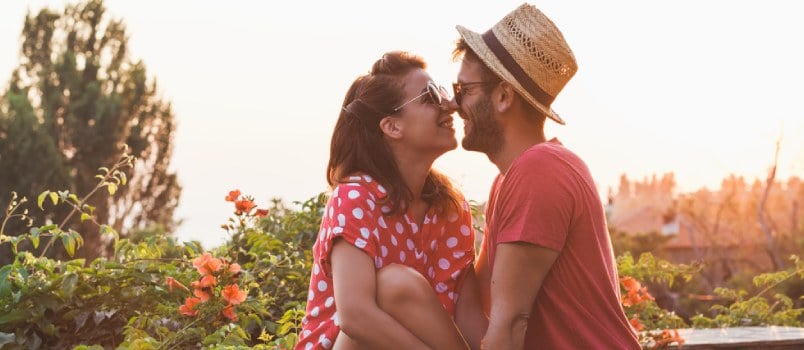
column 527, row 50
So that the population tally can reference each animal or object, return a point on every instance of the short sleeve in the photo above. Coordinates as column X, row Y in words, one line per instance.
column 535, row 202
column 351, row 214
column 450, row 251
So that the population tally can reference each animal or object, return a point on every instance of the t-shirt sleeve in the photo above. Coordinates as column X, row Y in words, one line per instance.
column 535, row 203
column 451, row 251
column 350, row 215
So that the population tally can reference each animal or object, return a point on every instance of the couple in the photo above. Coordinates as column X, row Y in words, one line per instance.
column 394, row 263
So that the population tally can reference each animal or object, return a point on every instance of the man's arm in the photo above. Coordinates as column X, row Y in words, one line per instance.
column 516, row 278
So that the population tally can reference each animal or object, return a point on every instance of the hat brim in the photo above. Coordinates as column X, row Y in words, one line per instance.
column 475, row 41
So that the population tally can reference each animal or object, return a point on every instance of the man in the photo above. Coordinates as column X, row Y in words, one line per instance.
column 547, row 273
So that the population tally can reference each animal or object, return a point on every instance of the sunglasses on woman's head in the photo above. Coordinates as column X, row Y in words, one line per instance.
column 434, row 94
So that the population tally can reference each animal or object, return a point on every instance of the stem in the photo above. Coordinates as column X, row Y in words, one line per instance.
column 794, row 273
column 100, row 184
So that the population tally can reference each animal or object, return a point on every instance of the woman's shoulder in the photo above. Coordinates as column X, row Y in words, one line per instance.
column 359, row 186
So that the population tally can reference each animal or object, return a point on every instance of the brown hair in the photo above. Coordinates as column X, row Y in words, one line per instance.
column 357, row 142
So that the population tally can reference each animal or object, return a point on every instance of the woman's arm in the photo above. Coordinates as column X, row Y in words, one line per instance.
column 360, row 317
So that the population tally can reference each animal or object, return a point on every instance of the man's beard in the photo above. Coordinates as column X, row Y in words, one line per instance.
column 485, row 134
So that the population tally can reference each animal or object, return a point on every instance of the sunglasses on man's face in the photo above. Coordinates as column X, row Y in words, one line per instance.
column 460, row 89
column 434, row 95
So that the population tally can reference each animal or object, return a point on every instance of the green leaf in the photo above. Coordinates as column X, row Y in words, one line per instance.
column 111, row 187
column 41, row 200
column 35, row 236
column 54, row 197
column 68, row 285
column 123, row 179
column 74, row 198
column 69, row 244
column 5, row 284
column 13, row 316
column 85, row 217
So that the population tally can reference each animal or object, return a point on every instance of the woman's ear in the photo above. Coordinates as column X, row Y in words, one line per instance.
column 392, row 127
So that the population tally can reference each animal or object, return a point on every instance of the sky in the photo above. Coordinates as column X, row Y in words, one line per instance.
column 700, row 88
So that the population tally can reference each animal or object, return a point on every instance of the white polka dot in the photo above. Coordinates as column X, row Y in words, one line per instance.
column 329, row 302
column 336, row 319
column 380, row 188
column 384, row 251
column 433, row 245
column 377, row 262
column 451, row 296
column 331, row 210
column 322, row 286
column 456, row 274
column 358, row 213
column 306, row 333
column 441, row 287
column 415, row 227
column 393, row 241
column 410, row 244
column 340, row 202
column 304, row 320
column 360, row 243
column 443, row 263
column 308, row 346
column 465, row 230
column 452, row 217
column 426, row 220
column 435, row 219
column 385, row 209
column 402, row 256
column 337, row 230
column 365, row 232
column 314, row 312
column 326, row 343
column 399, row 227
column 458, row 255
column 431, row 272
column 310, row 295
column 353, row 194
column 341, row 220
column 370, row 204
column 452, row 242
column 354, row 178
column 316, row 269
column 367, row 178
column 381, row 222
column 376, row 234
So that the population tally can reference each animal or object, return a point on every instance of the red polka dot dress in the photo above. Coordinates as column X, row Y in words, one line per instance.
column 440, row 250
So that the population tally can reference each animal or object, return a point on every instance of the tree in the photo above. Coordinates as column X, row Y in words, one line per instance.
column 73, row 102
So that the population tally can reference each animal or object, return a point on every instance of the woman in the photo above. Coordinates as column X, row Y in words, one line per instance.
column 393, row 259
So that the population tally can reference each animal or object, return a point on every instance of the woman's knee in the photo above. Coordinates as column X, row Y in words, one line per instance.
column 399, row 284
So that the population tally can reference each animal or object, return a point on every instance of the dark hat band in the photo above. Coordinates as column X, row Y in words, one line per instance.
column 516, row 70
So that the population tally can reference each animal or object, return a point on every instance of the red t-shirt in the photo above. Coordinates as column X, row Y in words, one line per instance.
column 440, row 250
column 548, row 198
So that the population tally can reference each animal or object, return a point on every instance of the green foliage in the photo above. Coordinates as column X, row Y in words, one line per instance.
column 74, row 98
column 739, row 310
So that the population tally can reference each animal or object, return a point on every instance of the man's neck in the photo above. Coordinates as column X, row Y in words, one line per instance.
column 518, row 138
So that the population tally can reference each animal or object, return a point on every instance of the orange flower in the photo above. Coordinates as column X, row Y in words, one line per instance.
column 243, row 206
column 188, row 309
column 234, row 268
column 261, row 213
column 631, row 298
column 171, row 282
column 233, row 295
column 233, row 195
column 630, row 283
column 646, row 295
column 206, row 264
column 229, row 313
column 205, row 282
column 202, row 295
column 636, row 324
